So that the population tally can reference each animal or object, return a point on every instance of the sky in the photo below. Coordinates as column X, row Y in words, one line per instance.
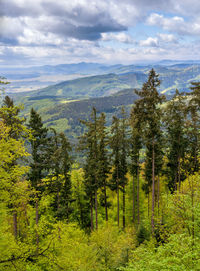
column 50, row 32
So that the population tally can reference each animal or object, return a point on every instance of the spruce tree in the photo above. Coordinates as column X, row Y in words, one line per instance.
column 60, row 174
column 123, row 160
column 135, row 147
column 40, row 159
column 89, row 143
column 175, row 120
column 119, row 144
column 150, row 100
column 103, row 162
column 115, row 144
column 193, row 127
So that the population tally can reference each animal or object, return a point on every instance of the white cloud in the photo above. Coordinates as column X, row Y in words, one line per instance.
column 49, row 31
column 167, row 37
column 120, row 37
column 175, row 24
column 149, row 42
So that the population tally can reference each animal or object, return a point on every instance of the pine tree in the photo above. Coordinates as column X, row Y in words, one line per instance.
column 150, row 101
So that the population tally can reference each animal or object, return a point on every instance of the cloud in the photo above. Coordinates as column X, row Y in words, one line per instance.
column 168, row 38
column 49, row 31
column 175, row 24
column 161, row 40
column 119, row 37
column 149, row 42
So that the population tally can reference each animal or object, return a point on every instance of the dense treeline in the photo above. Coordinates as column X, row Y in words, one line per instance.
column 133, row 205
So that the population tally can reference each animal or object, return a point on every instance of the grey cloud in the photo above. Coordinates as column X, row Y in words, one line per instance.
column 12, row 8
column 85, row 32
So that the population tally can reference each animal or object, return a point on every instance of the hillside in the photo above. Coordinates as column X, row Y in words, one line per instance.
column 63, row 104
column 65, row 116
column 173, row 75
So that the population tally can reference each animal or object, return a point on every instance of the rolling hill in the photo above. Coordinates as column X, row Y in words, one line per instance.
column 62, row 105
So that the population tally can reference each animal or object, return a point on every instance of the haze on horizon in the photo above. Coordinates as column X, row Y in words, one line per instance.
column 52, row 32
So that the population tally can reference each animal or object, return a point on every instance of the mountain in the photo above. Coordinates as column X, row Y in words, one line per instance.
column 30, row 78
column 172, row 73
column 62, row 105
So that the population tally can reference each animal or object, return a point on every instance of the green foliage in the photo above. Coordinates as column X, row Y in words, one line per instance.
column 44, row 222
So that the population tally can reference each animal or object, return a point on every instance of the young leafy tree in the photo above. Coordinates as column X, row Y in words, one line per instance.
column 150, row 101
column 11, row 173
column 9, row 115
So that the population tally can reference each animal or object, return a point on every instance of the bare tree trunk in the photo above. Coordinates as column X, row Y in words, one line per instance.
column 148, row 203
column 138, row 195
column 91, row 213
column 96, row 210
column 124, row 202
column 105, row 202
column 15, row 223
column 153, row 187
column 37, row 221
column 117, row 202
column 179, row 174
column 58, row 200
column 158, row 195
column 192, row 196
column 133, row 200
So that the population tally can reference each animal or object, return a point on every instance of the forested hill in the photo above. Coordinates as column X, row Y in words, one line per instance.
column 66, row 116
column 173, row 75
column 62, row 105
column 134, row 203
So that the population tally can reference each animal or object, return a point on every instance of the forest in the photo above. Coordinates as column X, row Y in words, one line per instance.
column 131, row 203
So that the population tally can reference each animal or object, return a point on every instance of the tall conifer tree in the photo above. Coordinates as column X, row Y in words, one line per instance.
column 119, row 144
column 193, row 127
column 90, row 145
column 103, row 163
column 150, row 101
column 136, row 145
column 60, row 167
column 175, row 117
column 40, row 159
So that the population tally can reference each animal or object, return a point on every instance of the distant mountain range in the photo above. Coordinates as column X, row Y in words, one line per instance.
column 174, row 74
column 63, row 104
